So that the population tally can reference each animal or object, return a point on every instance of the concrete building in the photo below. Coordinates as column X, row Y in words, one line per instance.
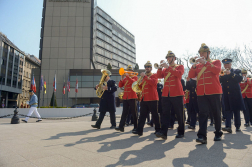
column 66, row 41
column 76, row 35
column 30, row 63
column 11, row 72
column 112, row 42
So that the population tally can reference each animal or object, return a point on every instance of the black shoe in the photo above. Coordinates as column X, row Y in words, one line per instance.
column 238, row 129
column 24, row 120
column 95, row 126
column 112, row 127
column 187, row 122
column 191, row 127
column 137, row 133
column 159, row 134
column 246, row 125
column 179, row 136
column 211, row 124
column 201, row 140
column 119, row 129
column 39, row 120
column 127, row 124
column 217, row 138
column 134, row 130
column 229, row 130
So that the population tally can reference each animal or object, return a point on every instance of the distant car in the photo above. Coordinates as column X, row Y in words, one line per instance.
column 95, row 105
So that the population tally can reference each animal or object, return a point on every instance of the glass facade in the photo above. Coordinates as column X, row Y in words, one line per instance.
column 112, row 43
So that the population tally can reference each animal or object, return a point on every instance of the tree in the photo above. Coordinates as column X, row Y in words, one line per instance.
column 109, row 67
column 55, row 101
column 136, row 67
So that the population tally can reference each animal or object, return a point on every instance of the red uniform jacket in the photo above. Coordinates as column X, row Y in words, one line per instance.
column 248, row 92
column 208, row 83
column 172, row 86
column 149, row 91
column 128, row 92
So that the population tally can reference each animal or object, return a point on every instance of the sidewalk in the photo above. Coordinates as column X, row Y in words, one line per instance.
column 74, row 143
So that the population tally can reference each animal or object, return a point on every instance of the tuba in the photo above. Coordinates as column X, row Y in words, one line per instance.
column 100, row 90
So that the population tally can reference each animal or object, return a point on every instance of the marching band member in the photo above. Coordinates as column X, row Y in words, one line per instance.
column 246, row 90
column 149, row 99
column 129, row 99
column 232, row 95
column 193, row 103
column 208, row 92
column 107, row 103
column 172, row 95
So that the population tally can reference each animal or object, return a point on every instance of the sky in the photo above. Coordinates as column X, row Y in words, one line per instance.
column 158, row 26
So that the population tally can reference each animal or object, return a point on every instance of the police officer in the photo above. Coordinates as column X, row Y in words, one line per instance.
column 208, row 92
column 232, row 95
column 34, row 104
column 107, row 103
column 193, row 104
column 246, row 89
column 129, row 99
column 172, row 95
column 149, row 99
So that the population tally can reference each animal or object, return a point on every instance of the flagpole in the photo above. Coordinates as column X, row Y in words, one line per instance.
column 75, row 92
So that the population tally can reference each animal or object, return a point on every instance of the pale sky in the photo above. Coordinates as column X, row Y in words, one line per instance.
column 158, row 26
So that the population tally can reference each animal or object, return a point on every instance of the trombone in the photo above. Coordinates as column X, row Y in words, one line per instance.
column 123, row 72
column 156, row 65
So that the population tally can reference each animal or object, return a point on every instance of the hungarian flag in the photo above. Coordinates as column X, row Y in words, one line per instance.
column 41, row 83
column 68, row 85
column 54, row 84
column 45, row 87
column 76, row 86
column 33, row 85
column 64, row 88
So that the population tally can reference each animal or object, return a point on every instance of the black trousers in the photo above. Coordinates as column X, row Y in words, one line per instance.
column 145, row 107
column 101, row 117
column 129, row 105
column 248, row 111
column 177, row 104
column 208, row 104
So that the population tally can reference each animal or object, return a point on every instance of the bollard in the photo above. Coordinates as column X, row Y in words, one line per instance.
column 94, row 117
column 15, row 118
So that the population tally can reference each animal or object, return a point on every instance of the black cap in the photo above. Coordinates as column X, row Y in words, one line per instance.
column 30, row 90
column 226, row 61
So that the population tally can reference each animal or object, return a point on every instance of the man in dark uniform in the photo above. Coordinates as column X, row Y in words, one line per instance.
column 193, row 103
column 246, row 89
column 232, row 95
column 107, row 103
column 129, row 99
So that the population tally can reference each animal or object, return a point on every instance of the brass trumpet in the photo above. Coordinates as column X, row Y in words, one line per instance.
column 193, row 60
column 244, row 79
column 122, row 72
column 156, row 65
column 222, row 73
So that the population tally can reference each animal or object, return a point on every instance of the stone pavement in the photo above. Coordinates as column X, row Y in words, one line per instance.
column 74, row 143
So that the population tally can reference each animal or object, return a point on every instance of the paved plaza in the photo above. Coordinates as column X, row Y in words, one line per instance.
column 74, row 143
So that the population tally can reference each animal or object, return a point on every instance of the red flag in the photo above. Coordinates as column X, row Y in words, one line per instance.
column 68, row 85
column 64, row 89
column 76, row 86
column 33, row 85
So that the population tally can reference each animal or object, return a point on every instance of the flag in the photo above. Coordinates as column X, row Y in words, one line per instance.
column 45, row 87
column 64, row 88
column 41, row 83
column 76, row 86
column 68, row 85
column 54, row 84
column 33, row 85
